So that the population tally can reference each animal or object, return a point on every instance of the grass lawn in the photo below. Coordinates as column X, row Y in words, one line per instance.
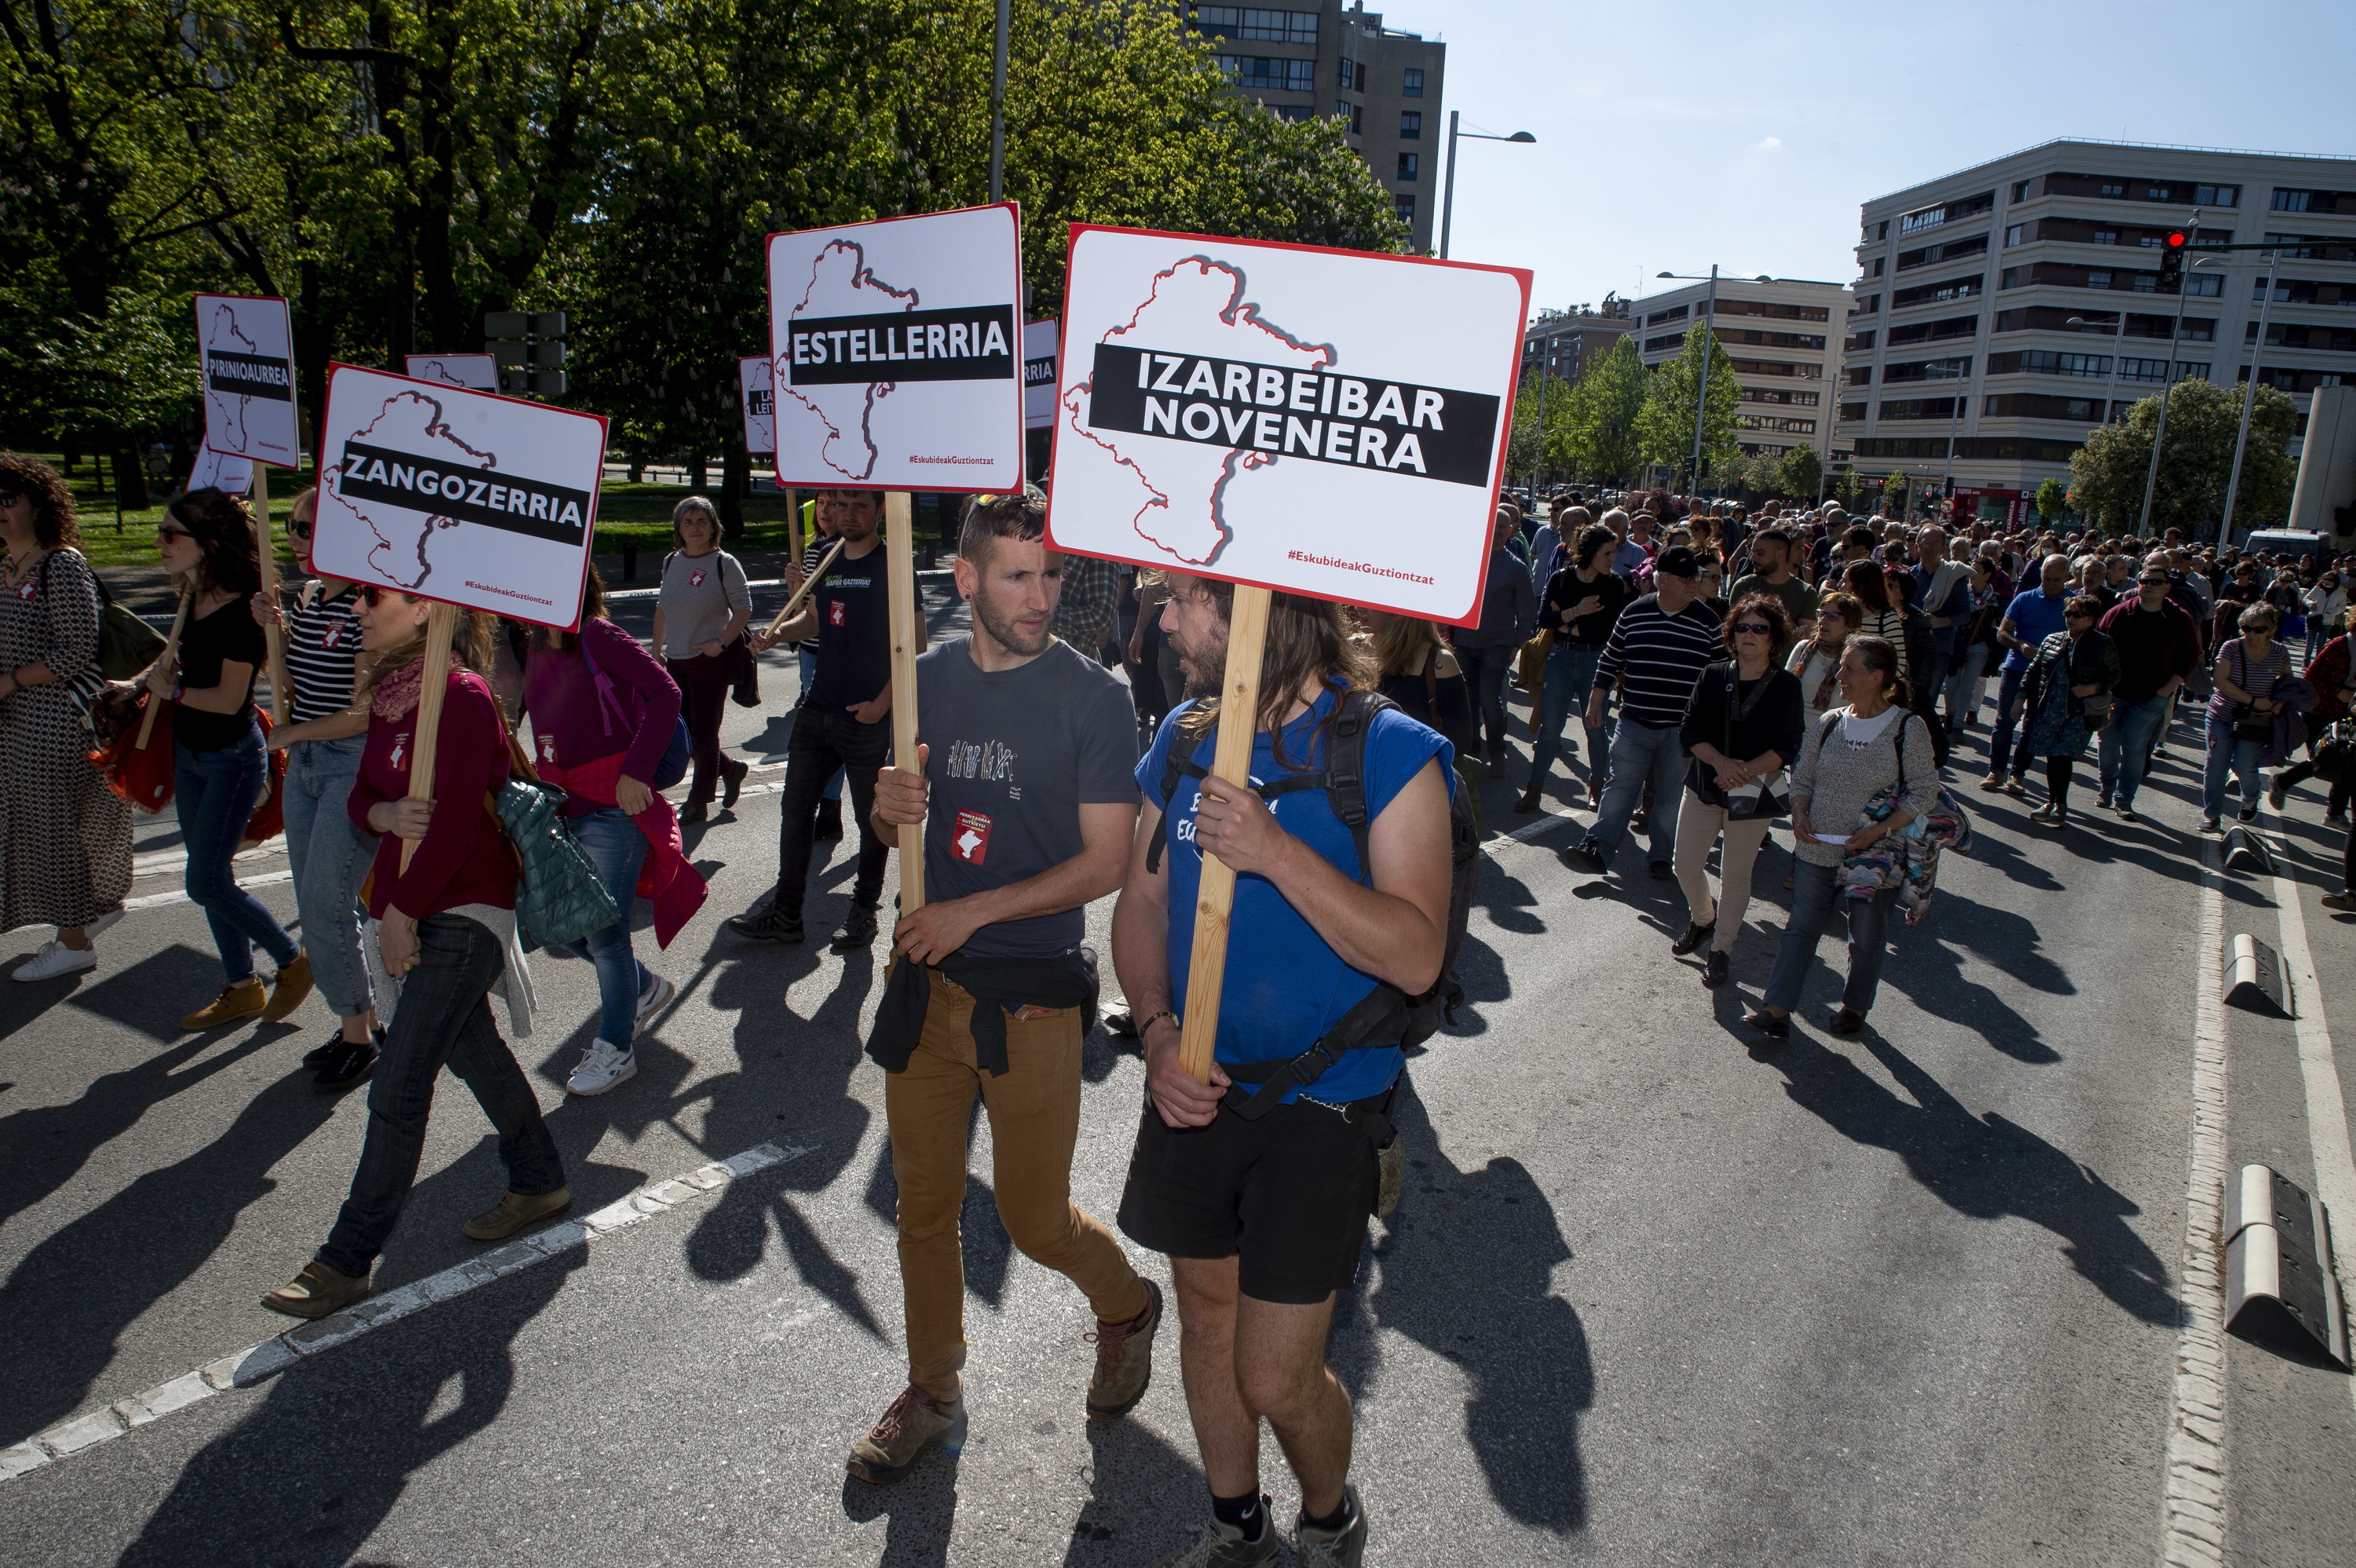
column 639, row 514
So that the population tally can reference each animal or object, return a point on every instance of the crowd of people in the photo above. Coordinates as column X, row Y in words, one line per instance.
column 1732, row 670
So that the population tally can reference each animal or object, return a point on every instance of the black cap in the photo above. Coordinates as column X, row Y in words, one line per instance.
column 1677, row 562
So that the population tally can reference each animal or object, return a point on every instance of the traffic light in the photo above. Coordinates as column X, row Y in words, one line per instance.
column 2171, row 261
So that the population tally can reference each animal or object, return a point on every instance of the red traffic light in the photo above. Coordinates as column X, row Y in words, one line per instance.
column 2177, row 239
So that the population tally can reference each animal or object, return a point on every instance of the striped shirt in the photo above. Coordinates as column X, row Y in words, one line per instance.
column 323, row 643
column 1656, row 659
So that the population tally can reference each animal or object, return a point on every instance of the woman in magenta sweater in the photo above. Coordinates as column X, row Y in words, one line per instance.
column 603, row 713
column 448, row 940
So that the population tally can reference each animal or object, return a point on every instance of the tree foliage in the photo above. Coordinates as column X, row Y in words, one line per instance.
column 2050, row 500
column 1597, row 435
column 1664, row 430
column 1801, row 472
column 2107, row 475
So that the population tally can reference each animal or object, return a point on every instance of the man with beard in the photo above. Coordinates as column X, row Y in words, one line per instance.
column 1023, row 781
column 839, row 724
column 1259, row 1184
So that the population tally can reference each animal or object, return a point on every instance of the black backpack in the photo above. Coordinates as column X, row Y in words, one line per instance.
column 1388, row 1012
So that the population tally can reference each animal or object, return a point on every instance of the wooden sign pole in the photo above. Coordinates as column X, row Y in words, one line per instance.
column 1214, row 896
column 802, row 595
column 440, row 621
column 899, row 523
column 171, row 653
column 281, row 699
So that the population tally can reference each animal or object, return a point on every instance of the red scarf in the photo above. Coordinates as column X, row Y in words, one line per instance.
column 669, row 878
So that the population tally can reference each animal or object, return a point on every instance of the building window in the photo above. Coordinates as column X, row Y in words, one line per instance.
column 1406, row 206
column 1352, row 115
column 2019, row 191
column 1858, row 376
column 1879, row 263
column 2114, row 187
column 1851, row 412
column 2203, row 285
column 1858, row 343
column 1919, row 408
column 1260, row 25
column 1938, row 294
column 1255, row 71
column 1352, row 76
column 1408, row 163
column 2104, row 237
column 1410, row 125
column 1659, row 316
column 2097, row 278
column 2012, row 235
column 1293, row 113
column 2292, row 200
column 2216, row 195
column 1412, row 82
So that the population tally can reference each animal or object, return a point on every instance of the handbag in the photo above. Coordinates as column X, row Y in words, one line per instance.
column 2335, row 754
column 126, row 645
column 2248, row 723
column 559, row 897
column 675, row 757
column 1757, row 798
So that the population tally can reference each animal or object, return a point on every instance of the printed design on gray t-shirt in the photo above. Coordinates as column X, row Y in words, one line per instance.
column 991, row 760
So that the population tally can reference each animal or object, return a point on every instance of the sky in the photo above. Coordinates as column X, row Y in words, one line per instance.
column 1675, row 135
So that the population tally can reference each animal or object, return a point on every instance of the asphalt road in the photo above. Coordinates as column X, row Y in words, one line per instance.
column 1652, row 1297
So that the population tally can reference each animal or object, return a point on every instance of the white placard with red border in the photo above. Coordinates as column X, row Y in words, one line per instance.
column 897, row 352
column 476, row 372
column 246, row 346
column 1039, row 375
column 465, row 496
column 219, row 470
column 756, row 390
column 1318, row 422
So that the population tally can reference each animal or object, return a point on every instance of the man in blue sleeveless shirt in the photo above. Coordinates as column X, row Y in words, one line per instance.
column 1263, row 1214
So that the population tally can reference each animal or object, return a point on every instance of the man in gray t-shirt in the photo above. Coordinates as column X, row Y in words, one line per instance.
column 1023, row 781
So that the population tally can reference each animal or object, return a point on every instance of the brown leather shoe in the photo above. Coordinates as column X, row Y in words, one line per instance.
column 515, row 1211
column 241, row 1000
column 318, row 1292
column 1124, row 1360
column 294, row 985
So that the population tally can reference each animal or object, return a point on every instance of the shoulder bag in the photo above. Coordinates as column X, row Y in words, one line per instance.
column 1760, row 796
column 126, row 645
column 2249, row 724
column 558, row 895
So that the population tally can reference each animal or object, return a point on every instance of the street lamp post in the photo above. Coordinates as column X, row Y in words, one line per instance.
column 2183, row 292
column 2249, row 400
column 1955, row 418
column 1448, row 190
column 998, row 110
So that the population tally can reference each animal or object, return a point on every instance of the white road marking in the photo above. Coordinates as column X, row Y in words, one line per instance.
column 2327, row 1104
column 2193, row 1531
column 243, row 1369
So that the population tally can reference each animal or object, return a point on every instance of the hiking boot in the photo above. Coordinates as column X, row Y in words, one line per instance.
column 1224, row 1546
column 514, row 1210
column 912, row 1424
column 857, row 930
column 828, row 827
column 769, row 924
column 292, row 985
column 241, row 999
column 1124, row 1360
column 1991, row 783
column 318, row 1292
column 1341, row 1548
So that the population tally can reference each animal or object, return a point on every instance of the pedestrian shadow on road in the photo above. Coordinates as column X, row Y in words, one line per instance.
column 1520, row 1346
column 920, row 1513
column 1144, row 1492
column 314, row 1470
column 151, row 996
column 1985, row 1168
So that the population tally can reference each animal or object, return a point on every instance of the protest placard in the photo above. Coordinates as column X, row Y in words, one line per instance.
column 896, row 352
column 467, row 498
column 1318, row 422
column 247, row 349
column 1038, row 375
column 476, row 372
column 755, row 382
column 219, row 470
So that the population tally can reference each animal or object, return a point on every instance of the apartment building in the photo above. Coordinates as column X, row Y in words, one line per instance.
column 1566, row 342
column 1783, row 336
column 1310, row 61
column 2016, row 305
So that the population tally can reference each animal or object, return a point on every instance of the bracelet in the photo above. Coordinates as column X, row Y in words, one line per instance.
column 1165, row 1013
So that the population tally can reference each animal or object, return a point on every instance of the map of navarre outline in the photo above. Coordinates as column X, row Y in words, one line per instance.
column 1174, row 315
column 232, row 405
column 432, row 426
column 862, row 277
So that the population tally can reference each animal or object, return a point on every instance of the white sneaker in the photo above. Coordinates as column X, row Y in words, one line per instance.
column 652, row 1000
column 601, row 1068
column 55, row 959
column 103, row 922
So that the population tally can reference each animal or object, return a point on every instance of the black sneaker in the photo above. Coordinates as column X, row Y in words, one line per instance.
column 858, row 930
column 320, row 1055
column 768, row 924
column 1774, row 1025
column 1696, row 935
column 731, row 784
column 347, row 1068
column 829, row 823
column 1584, row 856
column 694, row 812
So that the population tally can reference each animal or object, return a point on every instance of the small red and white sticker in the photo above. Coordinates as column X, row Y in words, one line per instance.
column 695, row 577
column 25, row 591
column 333, row 637
column 834, row 608
column 972, row 841
column 399, row 758
column 548, row 750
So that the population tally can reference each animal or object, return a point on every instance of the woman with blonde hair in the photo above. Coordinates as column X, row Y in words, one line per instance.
column 65, row 837
column 1416, row 670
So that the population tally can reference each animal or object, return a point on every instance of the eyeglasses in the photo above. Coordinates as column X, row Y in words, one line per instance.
column 1752, row 629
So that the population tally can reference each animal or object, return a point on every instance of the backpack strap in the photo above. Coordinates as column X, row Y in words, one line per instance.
column 1175, row 765
column 608, row 704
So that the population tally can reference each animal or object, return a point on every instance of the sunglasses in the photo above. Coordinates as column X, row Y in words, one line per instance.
column 370, row 594
column 299, row 526
column 1752, row 629
column 2076, row 615
column 166, row 531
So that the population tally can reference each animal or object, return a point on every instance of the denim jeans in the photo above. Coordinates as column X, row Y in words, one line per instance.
column 2007, row 714
column 330, row 860
column 1641, row 755
column 214, row 792
column 1486, row 671
column 445, row 1015
column 1570, row 677
column 2240, row 756
column 809, row 662
column 1961, row 689
column 618, row 849
column 828, row 740
column 1814, row 890
column 2124, row 746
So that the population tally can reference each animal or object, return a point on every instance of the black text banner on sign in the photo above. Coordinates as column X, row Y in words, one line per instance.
column 1318, row 422
column 896, row 353
column 1039, row 375
column 246, row 343
column 756, row 390
column 463, row 497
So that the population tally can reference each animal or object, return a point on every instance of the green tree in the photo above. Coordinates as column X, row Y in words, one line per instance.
column 1801, row 473
column 1893, row 493
column 1597, row 435
column 2050, row 499
column 2107, row 475
column 1665, row 429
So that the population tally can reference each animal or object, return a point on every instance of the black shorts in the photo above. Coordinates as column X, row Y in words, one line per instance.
column 1287, row 1194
